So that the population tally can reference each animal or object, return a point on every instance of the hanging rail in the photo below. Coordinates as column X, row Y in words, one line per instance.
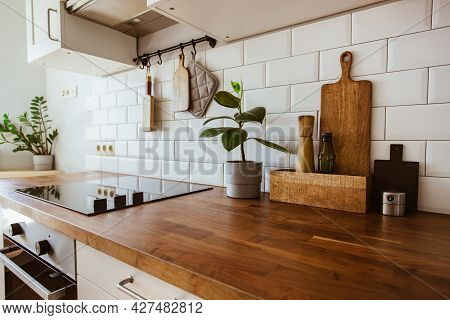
column 144, row 60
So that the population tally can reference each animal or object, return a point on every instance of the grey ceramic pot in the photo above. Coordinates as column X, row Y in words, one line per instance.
column 43, row 163
column 243, row 179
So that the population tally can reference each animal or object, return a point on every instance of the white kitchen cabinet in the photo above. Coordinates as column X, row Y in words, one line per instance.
column 89, row 291
column 63, row 41
column 236, row 19
column 105, row 272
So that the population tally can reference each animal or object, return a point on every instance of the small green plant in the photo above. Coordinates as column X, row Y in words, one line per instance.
column 232, row 137
column 34, row 134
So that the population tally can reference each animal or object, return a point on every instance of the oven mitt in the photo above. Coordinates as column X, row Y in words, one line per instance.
column 202, row 85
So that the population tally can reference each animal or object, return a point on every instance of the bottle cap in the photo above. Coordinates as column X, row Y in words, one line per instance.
column 327, row 136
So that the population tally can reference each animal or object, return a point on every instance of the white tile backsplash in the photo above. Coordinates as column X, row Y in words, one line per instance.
column 117, row 115
column 253, row 76
column 99, row 86
column 322, row 35
column 439, row 88
column 93, row 163
column 92, row 103
column 108, row 132
column 425, row 49
column 273, row 46
column 121, row 148
column 441, row 13
column 398, row 88
column 306, row 96
column 433, row 194
column 92, row 133
column 390, row 20
column 127, row 97
column 438, row 159
column 163, row 72
column 127, row 131
column 175, row 170
column 225, row 57
column 110, row 164
column 108, row 100
column 135, row 114
column 396, row 46
column 378, row 123
column 117, row 82
column 136, row 78
column 424, row 122
column 412, row 151
column 368, row 58
column 100, row 117
column 297, row 69
column 284, row 127
column 275, row 100
column 206, row 173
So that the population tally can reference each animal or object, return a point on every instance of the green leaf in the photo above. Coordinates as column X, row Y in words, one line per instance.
column 213, row 132
column 254, row 115
column 270, row 144
column 233, row 138
column 216, row 118
column 236, row 87
column 227, row 100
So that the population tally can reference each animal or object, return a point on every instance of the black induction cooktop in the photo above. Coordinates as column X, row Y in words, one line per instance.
column 111, row 193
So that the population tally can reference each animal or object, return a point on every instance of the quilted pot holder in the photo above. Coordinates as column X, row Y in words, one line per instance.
column 202, row 85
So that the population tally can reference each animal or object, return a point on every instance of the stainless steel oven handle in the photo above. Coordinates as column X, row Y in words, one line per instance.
column 28, row 279
column 48, row 24
column 121, row 287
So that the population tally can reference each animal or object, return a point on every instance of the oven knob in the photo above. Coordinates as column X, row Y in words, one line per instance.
column 42, row 247
column 15, row 229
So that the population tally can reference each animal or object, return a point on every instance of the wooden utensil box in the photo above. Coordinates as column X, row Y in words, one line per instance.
column 331, row 191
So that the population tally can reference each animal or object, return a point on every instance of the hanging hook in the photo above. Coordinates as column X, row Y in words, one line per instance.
column 140, row 62
column 193, row 47
column 159, row 55
column 182, row 48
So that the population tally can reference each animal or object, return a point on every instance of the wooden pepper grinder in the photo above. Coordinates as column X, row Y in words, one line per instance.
column 305, row 161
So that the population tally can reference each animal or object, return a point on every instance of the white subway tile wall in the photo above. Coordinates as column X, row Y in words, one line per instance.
column 441, row 13
column 402, row 47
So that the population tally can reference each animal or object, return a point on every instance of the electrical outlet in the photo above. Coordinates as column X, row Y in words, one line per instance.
column 69, row 93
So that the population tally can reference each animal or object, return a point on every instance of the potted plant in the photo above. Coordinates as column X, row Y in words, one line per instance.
column 243, row 178
column 34, row 134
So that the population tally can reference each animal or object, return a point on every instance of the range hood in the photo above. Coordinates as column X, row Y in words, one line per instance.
column 132, row 17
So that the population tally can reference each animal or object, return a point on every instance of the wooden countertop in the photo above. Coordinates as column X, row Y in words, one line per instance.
column 27, row 173
column 222, row 248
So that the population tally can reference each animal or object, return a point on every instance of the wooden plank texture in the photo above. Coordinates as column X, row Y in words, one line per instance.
column 221, row 248
column 345, row 112
column 339, row 192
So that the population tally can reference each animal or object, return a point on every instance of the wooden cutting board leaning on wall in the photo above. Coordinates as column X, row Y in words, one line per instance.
column 345, row 112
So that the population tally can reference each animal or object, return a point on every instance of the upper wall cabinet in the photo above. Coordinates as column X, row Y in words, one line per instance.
column 63, row 41
column 236, row 19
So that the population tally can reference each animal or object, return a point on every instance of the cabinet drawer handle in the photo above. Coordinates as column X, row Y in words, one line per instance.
column 121, row 287
column 48, row 24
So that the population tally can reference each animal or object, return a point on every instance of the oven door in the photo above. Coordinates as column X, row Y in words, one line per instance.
column 27, row 277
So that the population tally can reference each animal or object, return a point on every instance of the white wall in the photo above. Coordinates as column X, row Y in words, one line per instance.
column 68, row 117
column 401, row 47
column 19, row 81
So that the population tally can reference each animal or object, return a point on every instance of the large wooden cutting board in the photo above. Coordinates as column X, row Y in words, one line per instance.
column 345, row 112
column 181, row 87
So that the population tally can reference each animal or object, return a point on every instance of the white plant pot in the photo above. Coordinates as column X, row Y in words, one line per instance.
column 243, row 179
column 43, row 163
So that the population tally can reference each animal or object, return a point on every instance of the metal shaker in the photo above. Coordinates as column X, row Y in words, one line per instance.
column 393, row 203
